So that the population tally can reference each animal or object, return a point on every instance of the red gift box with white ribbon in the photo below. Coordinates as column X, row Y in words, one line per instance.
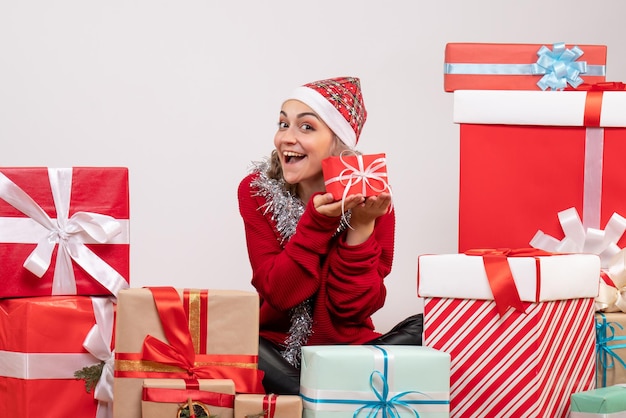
column 352, row 173
column 63, row 231
column 518, row 325
column 44, row 341
column 526, row 156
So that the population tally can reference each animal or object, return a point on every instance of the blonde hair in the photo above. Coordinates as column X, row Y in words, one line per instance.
column 275, row 171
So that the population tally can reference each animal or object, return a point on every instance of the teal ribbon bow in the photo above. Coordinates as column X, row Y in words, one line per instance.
column 559, row 67
column 605, row 334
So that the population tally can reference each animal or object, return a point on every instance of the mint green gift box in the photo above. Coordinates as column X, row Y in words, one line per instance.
column 608, row 402
column 344, row 381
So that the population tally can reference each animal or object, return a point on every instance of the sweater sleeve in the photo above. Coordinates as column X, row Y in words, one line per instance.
column 355, row 287
column 284, row 277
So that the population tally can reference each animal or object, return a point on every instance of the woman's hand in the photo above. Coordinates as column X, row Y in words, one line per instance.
column 364, row 212
column 364, row 217
column 325, row 204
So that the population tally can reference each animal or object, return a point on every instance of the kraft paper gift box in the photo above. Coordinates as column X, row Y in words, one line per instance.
column 524, row 361
column 44, row 341
column 166, row 398
column 397, row 381
column 501, row 66
column 268, row 406
column 163, row 332
column 351, row 173
column 609, row 402
column 535, row 165
column 63, row 231
column 611, row 348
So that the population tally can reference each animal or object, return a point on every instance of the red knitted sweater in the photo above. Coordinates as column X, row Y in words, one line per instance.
column 346, row 282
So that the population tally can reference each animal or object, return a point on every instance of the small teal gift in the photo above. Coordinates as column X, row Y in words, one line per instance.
column 362, row 381
column 608, row 402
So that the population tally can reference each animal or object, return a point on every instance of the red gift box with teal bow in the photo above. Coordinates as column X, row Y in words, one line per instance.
column 500, row 66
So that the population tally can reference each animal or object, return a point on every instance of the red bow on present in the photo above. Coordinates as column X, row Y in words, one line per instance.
column 500, row 277
column 180, row 351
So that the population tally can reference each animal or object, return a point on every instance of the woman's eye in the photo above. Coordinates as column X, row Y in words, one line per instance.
column 282, row 125
column 306, row 127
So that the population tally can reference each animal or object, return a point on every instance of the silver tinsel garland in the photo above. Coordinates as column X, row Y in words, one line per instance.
column 286, row 209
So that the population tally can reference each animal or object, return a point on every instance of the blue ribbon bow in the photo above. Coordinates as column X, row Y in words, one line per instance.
column 559, row 67
column 382, row 404
column 605, row 333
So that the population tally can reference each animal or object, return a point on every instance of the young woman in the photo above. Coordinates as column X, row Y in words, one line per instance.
column 319, row 281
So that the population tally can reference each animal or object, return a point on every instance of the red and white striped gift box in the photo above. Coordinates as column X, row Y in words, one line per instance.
column 520, row 364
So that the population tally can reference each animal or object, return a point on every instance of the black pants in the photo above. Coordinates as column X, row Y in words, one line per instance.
column 284, row 379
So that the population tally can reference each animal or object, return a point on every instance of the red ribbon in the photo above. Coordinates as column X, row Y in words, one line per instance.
column 593, row 101
column 223, row 400
column 500, row 277
column 269, row 405
column 180, row 353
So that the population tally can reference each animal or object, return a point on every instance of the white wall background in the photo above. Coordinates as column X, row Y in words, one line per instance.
column 186, row 93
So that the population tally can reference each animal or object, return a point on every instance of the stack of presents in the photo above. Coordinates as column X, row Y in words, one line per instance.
column 526, row 320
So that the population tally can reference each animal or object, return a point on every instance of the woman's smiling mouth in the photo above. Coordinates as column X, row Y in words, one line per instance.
column 292, row 157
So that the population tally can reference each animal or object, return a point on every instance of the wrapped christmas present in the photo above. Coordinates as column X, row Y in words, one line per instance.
column 518, row 325
column 169, row 333
column 610, row 348
column 371, row 380
column 543, row 169
column 64, row 231
column 56, row 357
column 501, row 66
column 268, row 406
column 178, row 398
column 352, row 173
column 608, row 402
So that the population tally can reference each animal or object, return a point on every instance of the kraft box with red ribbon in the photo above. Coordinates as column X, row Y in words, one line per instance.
column 611, row 348
column 501, row 66
column 64, row 231
column 48, row 345
column 169, row 333
column 172, row 398
column 268, row 406
column 352, row 173
column 518, row 325
column 341, row 381
column 543, row 169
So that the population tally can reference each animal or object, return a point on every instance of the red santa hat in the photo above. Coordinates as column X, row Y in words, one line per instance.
column 339, row 103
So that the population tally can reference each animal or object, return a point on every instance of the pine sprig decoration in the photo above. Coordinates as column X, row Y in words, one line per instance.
column 91, row 375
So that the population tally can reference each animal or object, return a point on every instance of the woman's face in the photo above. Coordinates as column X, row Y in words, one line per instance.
column 303, row 140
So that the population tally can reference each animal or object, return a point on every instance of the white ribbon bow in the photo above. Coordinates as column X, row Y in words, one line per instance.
column 70, row 233
column 613, row 299
column 580, row 240
column 98, row 343
column 593, row 241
